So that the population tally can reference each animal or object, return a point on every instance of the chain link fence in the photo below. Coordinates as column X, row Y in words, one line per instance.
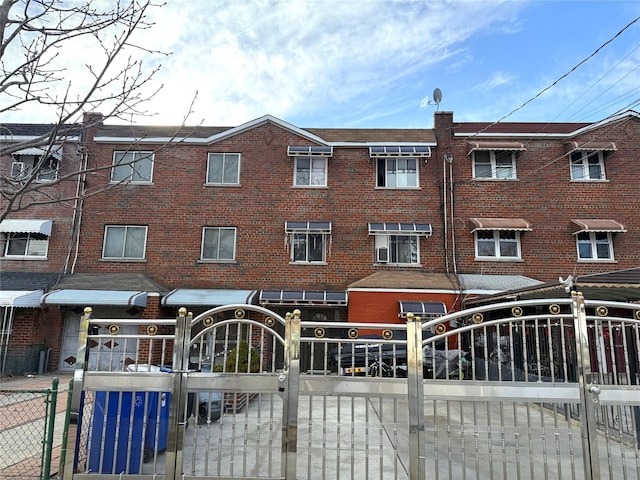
column 27, row 424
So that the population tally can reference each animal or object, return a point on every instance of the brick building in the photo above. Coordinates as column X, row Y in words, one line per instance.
column 363, row 225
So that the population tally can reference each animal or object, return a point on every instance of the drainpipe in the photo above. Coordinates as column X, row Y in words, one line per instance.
column 445, row 214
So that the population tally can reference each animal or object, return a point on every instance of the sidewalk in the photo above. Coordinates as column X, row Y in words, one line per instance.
column 36, row 382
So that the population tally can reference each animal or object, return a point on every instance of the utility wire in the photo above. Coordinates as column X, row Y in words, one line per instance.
column 596, row 51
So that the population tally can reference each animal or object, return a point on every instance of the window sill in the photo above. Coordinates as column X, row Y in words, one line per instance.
column 28, row 258
column 596, row 260
column 315, row 187
column 124, row 183
column 589, row 180
column 203, row 260
column 308, row 263
column 482, row 179
column 124, row 260
column 501, row 260
column 403, row 265
column 398, row 188
column 224, row 185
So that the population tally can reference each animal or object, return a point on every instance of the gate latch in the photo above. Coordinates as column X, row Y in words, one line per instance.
column 282, row 378
column 595, row 389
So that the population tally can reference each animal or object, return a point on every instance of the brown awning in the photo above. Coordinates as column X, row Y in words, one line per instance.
column 500, row 224
column 591, row 146
column 495, row 145
column 596, row 225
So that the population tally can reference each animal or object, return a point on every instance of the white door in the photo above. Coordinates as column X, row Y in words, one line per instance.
column 111, row 353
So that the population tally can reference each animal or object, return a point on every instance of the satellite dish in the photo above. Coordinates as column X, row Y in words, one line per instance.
column 437, row 96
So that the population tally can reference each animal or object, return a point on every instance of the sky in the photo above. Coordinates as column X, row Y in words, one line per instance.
column 376, row 63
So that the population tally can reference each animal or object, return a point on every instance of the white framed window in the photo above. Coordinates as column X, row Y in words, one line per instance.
column 397, row 173
column 587, row 165
column 218, row 244
column 26, row 245
column 594, row 246
column 308, row 248
column 494, row 164
column 309, row 241
column 25, row 164
column 124, row 242
column 223, row 169
column 132, row 167
column 397, row 249
column 310, row 171
column 497, row 244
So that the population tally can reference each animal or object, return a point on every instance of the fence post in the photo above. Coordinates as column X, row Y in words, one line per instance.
column 588, row 390
column 416, row 398
column 289, row 386
column 52, row 398
column 177, row 405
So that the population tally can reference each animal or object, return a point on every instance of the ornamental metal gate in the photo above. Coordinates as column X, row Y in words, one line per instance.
column 526, row 389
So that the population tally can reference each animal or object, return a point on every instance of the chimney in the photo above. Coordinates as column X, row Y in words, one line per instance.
column 91, row 119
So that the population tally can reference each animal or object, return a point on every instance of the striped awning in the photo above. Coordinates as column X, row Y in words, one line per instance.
column 392, row 228
column 89, row 298
column 596, row 225
column 20, row 298
column 55, row 152
column 26, row 226
column 590, row 146
column 412, row 151
column 307, row 227
column 496, row 145
column 190, row 297
column 302, row 297
column 309, row 151
column 422, row 309
column 518, row 224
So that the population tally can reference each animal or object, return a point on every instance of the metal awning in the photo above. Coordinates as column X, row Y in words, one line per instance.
column 189, row 297
column 306, row 227
column 55, row 151
column 412, row 151
column 596, row 225
column 89, row 298
column 26, row 226
column 500, row 224
column 309, row 151
column 21, row 298
column 422, row 309
column 590, row 146
column 390, row 228
column 496, row 145
column 302, row 297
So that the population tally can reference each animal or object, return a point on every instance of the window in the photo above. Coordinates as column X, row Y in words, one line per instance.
column 310, row 172
column 124, row 242
column 397, row 249
column 223, row 169
column 595, row 246
column 497, row 244
column 134, row 167
column 218, row 243
column 494, row 164
column 22, row 168
column 397, row 173
column 587, row 165
column 308, row 241
column 26, row 245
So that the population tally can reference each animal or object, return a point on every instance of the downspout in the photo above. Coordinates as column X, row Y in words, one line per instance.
column 453, row 227
column 445, row 213
column 77, row 211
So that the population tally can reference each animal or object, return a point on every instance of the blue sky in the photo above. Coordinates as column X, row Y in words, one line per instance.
column 376, row 63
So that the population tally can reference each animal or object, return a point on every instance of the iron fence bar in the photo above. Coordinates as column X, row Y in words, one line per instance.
column 417, row 449
column 47, row 445
column 290, row 388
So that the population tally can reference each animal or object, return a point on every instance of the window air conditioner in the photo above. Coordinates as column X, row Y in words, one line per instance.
column 18, row 170
column 382, row 254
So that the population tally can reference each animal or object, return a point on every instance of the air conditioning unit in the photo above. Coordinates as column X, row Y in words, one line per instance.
column 382, row 254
